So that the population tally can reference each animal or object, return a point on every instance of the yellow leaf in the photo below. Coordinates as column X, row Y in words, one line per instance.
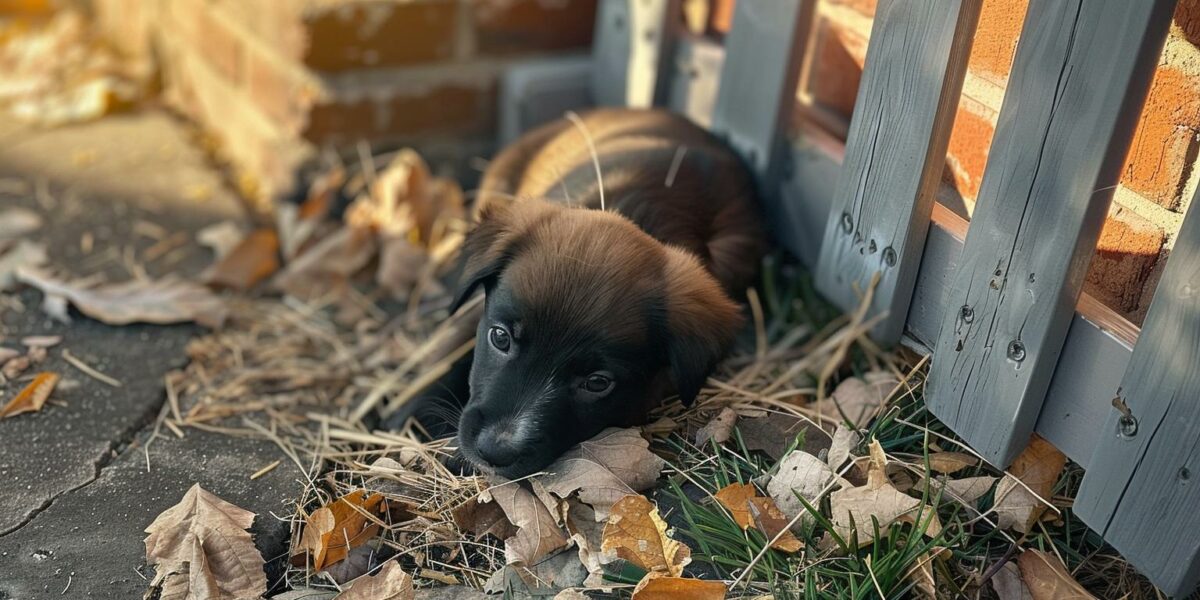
column 33, row 397
column 328, row 529
column 1038, row 467
column 1047, row 579
column 749, row 509
column 637, row 534
column 657, row 587
column 735, row 497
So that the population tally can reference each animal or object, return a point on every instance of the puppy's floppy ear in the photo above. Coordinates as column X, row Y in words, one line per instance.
column 484, row 252
column 702, row 322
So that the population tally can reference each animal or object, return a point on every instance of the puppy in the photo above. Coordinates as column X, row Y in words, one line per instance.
column 592, row 316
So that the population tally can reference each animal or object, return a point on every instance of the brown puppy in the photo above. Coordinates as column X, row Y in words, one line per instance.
column 592, row 316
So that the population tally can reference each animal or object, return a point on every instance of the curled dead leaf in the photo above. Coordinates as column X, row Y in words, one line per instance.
column 948, row 463
column 1029, row 481
column 252, row 260
column 604, row 469
column 636, row 533
column 852, row 509
column 332, row 530
column 391, row 583
column 538, row 534
column 858, row 399
column 162, row 301
column 201, row 549
column 1047, row 578
column 657, row 587
column 719, row 429
column 749, row 509
column 32, row 397
column 481, row 518
column 800, row 474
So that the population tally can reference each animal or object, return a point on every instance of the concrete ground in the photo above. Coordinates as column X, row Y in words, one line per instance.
column 76, row 491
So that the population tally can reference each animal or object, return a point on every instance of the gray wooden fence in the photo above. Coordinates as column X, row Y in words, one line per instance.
column 1017, row 347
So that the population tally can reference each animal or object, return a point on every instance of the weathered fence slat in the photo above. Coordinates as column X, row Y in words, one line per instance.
column 695, row 77
column 1077, row 85
column 895, row 155
column 758, row 81
column 1142, row 487
column 632, row 51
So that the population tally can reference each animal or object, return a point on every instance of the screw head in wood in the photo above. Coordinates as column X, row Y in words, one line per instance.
column 1184, row 474
column 871, row 247
column 1127, row 426
column 847, row 222
column 889, row 256
column 966, row 313
column 1016, row 350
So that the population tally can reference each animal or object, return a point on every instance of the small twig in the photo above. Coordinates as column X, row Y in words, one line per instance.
column 264, row 470
column 587, row 137
column 70, row 578
column 89, row 371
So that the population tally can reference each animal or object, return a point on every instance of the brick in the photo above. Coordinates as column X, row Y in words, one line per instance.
column 448, row 109
column 1000, row 23
column 1187, row 17
column 1164, row 144
column 364, row 34
column 865, row 7
column 514, row 26
column 1129, row 248
column 837, row 67
column 720, row 17
column 970, row 141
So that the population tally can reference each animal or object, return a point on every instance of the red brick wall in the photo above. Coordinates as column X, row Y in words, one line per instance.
column 1158, row 178
column 276, row 80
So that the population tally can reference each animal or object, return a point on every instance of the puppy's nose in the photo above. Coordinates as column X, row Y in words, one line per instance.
column 496, row 444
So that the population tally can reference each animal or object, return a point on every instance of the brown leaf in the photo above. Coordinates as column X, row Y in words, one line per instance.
column 773, row 434
column 32, row 398
column 1047, row 579
column 588, row 535
column 852, row 509
column 538, row 533
column 604, row 469
column 328, row 528
column 719, row 429
column 400, row 265
column 1038, row 467
column 749, row 509
column 921, row 575
column 844, row 441
column 480, row 518
column 948, row 463
column 637, row 534
column 656, row 587
column 252, row 260
column 859, row 399
column 391, row 583
column 1008, row 585
column 167, row 300
column 335, row 258
column 965, row 491
column 221, row 238
column 201, row 549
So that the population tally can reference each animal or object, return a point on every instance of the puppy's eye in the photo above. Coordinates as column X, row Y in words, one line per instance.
column 499, row 338
column 597, row 383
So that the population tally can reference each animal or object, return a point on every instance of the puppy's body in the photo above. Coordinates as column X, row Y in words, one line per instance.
column 592, row 316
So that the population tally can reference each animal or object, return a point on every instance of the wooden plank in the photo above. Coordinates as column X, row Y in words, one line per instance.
column 895, row 155
column 1142, row 488
column 1099, row 342
column 633, row 48
column 1077, row 85
column 695, row 78
column 758, row 82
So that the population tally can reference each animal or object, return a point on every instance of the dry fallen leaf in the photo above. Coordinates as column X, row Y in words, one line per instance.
column 252, row 260
column 221, row 237
column 844, row 440
column 1038, row 467
column 32, row 398
column 201, row 549
column 921, row 575
column 482, row 518
column 637, row 534
column 718, row 429
column 334, row 258
column 571, row 595
column 328, row 528
column 167, row 300
column 1008, row 585
column 774, row 433
column 41, row 341
column 852, row 509
column 1047, row 579
column 657, row 587
column 400, row 265
column 538, row 533
column 859, row 399
column 23, row 254
column 604, row 469
column 803, row 474
column 391, row 583
column 948, row 463
column 749, row 509
column 966, row 490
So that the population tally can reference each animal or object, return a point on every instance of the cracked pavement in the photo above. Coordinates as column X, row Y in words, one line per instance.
column 76, row 489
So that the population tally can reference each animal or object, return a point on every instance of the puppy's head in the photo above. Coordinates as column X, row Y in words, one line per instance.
column 587, row 319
